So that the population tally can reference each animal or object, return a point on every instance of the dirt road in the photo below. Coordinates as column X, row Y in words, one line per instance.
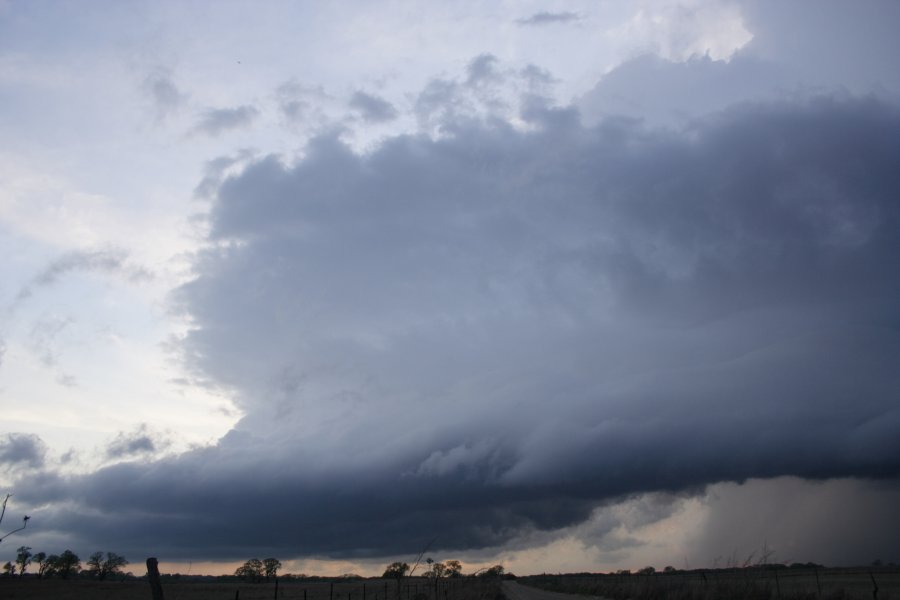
column 516, row 591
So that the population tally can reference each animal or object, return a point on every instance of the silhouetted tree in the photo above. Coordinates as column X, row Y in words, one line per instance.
column 647, row 571
column 8, row 569
column 495, row 571
column 454, row 568
column 23, row 558
column 95, row 563
column 396, row 570
column 41, row 559
column 102, row 567
column 271, row 566
column 436, row 570
column 68, row 563
column 51, row 565
column 252, row 570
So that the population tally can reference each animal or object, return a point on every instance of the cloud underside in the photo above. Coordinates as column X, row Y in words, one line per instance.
column 487, row 335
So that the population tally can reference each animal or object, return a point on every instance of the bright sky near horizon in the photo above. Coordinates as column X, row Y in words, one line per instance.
column 567, row 285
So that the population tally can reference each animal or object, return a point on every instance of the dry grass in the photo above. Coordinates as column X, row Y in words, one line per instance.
column 79, row 589
column 738, row 584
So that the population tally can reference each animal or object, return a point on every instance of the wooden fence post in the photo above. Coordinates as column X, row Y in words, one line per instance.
column 153, row 578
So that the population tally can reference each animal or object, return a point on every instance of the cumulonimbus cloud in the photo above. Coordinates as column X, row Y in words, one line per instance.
column 491, row 332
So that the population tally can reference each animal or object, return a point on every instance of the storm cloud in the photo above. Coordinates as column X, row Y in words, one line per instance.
column 19, row 450
column 490, row 333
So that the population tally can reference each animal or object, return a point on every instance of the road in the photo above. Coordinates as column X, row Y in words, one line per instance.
column 517, row 591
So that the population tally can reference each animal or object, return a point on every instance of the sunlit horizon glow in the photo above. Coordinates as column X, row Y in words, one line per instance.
column 561, row 286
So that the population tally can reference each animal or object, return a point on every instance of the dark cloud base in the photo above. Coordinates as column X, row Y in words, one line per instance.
column 494, row 332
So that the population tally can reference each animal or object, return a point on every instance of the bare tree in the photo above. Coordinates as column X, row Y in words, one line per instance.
column 3, row 514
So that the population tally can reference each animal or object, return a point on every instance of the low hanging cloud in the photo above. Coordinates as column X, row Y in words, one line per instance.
column 485, row 336
column 373, row 109
column 140, row 442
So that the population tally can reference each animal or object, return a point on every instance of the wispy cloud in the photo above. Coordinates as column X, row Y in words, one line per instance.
column 550, row 18
column 215, row 121
column 108, row 260
column 164, row 94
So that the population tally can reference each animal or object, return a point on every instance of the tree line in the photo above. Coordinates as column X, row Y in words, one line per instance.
column 440, row 570
column 256, row 570
column 99, row 565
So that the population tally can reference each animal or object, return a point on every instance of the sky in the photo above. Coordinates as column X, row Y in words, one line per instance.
column 565, row 286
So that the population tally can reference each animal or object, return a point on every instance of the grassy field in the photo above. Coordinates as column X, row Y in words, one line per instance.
column 732, row 584
column 137, row 589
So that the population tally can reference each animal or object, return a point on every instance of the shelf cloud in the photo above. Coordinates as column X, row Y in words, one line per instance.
column 489, row 334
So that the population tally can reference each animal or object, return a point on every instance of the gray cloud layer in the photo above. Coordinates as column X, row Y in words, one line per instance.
column 488, row 334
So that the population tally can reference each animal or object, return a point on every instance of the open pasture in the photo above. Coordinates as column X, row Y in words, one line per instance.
column 732, row 584
column 174, row 589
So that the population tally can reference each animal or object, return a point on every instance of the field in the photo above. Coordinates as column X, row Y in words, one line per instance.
column 731, row 584
column 139, row 589
column 737, row 584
